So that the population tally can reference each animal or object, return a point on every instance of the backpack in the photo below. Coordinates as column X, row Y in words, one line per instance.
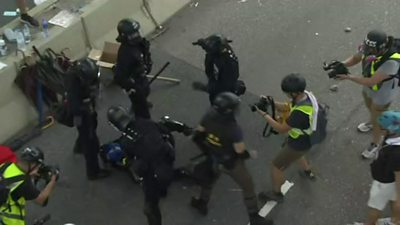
column 319, row 134
column 395, row 48
column 7, row 157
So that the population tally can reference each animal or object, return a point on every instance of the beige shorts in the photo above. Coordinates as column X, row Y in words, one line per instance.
column 381, row 194
column 286, row 157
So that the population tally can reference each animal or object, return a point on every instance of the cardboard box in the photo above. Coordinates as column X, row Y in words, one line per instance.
column 106, row 57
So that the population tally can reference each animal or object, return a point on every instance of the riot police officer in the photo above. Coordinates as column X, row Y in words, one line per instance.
column 133, row 64
column 220, row 138
column 221, row 65
column 82, row 89
column 149, row 155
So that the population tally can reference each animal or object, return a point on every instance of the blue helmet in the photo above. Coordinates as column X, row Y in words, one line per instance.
column 390, row 120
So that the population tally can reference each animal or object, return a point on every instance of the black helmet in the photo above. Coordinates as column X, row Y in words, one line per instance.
column 226, row 103
column 126, row 27
column 375, row 41
column 88, row 71
column 214, row 43
column 118, row 117
column 32, row 155
column 293, row 83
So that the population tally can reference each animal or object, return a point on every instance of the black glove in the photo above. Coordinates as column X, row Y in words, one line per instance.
column 244, row 155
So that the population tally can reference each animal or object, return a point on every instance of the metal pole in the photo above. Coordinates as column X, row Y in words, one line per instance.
column 159, row 29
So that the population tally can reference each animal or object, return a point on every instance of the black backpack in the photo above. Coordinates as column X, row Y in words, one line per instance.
column 5, row 183
column 322, row 121
column 395, row 48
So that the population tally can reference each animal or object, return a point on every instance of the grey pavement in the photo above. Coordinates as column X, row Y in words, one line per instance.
column 271, row 38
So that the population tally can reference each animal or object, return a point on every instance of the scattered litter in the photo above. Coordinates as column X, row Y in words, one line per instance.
column 194, row 4
column 347, row 29
column 308, row 21
column 334, row 88
column 38, row 2
column 259, row 3
column 9, row 13
column 316, row 34
column 242, row 1
column 2, row 65
column 63, row 19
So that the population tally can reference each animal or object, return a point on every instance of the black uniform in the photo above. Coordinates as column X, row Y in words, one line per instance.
column 133, row 63
column 222, row 70
column 221, row 132
column 81, row 100
column 154, row 158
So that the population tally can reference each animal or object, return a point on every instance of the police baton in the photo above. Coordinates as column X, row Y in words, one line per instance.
column 154, row 77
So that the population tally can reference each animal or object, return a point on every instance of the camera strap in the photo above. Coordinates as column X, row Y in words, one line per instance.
column 268, row 130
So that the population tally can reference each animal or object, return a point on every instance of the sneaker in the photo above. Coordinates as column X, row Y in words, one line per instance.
column 270, row 196
column 364, row 127
column 200, row 205
column 308, row 174
column 29, row 20
column 370, row 152
column 259, row 220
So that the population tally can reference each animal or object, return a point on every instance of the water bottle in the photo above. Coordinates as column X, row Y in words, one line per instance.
column 45, row 26
column 20, row 40
column 10, row 34
column 3, row 48
column 27, row 34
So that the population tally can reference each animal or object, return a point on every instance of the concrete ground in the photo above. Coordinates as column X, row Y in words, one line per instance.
column 271, row 38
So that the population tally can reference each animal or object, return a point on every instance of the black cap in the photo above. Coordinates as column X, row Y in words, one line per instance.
column 376, row 39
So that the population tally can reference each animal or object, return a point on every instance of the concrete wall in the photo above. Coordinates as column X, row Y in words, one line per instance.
column 99, row 19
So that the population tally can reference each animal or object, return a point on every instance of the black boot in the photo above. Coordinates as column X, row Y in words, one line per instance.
column 153, row 214
column 256, row 219
column 200, row 205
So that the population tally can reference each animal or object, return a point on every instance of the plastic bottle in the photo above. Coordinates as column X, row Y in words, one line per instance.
column 27, row 34
column 10, row 35
column 20, row 40
column 3, row 48
column 45, row 26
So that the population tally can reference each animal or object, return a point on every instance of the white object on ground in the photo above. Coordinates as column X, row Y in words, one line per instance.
column 38, row 2
column 63, row 19
column 271, row 204
column 2, row 65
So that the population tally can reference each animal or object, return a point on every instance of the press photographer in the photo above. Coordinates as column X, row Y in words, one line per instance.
column 299, row 126
column 18, row 185
column 380, row 68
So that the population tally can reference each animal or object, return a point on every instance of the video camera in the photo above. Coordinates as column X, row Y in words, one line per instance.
column 335, row 68
column 173, row 125
column 263, row 104
column 46, row 172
